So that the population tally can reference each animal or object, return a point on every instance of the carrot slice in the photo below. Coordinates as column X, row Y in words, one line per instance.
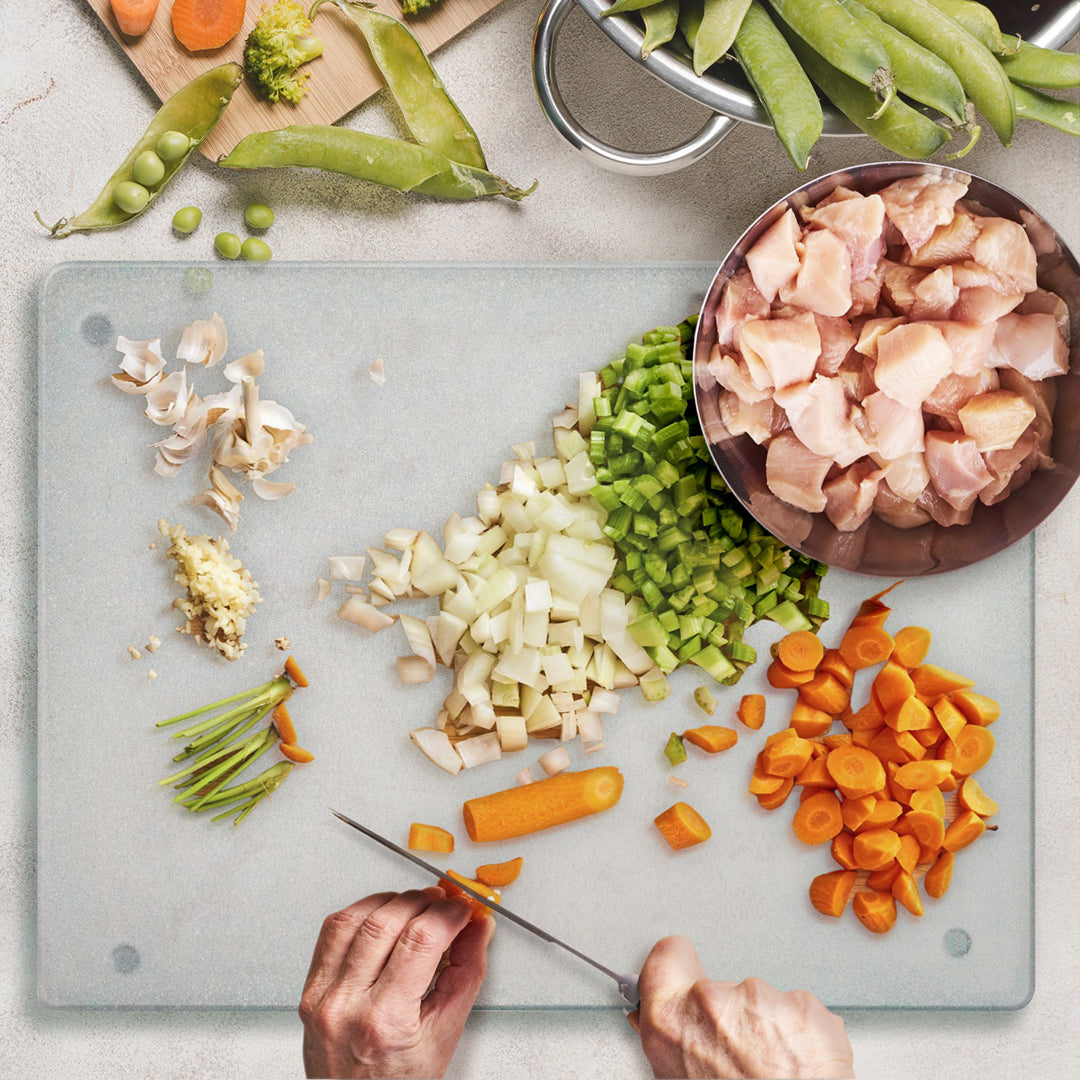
column 815, row 774
column 711, row 738
column 889, row 745
column 966, row 829
column 881, row 880
column 856, row 771
column 863, row 738
column 977, row 708
column 430, row 838
column 856, row 811
column 134, row 16
column 910, row 645
column 479, row 910
column 283, row 723
column 751, row 710
column 908, row 855
column 884, row 812
column 868, row 718
column 778, row 797
column 948, row 784
column 497, row 875
column 872, row 612
column 950, row 718
column 910, row 715
column 892, row 686
column 832, row 663
column 864, row 646
column 897, row 790
column 827, row 693
column 206, row 24
column 784, row 678
column 809, row 722
column 800, row 651
column 929, row 799
column 876, row 848
column 925, row 826
column 292, row 668
column 296, row 753
column 818, row 819
column 906, row 892
column 842, row 850
column 829, row 893
column 875, row 910
column 831, row 742
column 932, row 680
column 929, row 736
column 682, row 826
column 969, row 750
column 919, row 775
column 972, row 797
column 763, row 783
column 939, row 875
column 785, row 753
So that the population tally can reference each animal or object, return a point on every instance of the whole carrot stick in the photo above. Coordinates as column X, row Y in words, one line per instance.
column 564, row 797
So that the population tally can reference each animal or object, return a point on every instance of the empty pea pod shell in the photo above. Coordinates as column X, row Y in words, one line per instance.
column 392, row 163
column 194, row 110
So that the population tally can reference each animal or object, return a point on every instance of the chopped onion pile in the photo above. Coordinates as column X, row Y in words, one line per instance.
column 246, row 435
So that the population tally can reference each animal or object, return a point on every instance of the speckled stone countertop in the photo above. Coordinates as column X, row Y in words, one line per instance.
column 71, row 104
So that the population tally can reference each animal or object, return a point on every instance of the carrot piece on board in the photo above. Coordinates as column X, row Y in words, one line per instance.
column 863, row 738
column 925, row 826
column 897, row 790
column 910, row 715
column 939, row 875
column 682, row 826
column 292, row 669
column 868, row 718
column 929, row 799
column 969, row 750
column 978, row 709
column 800, row 651
column 929, row 736
column 884, row 812
column 479, row 910
column 555, row 800
column 964, row 830
column 919, row 775
column 430, row 838
column 910, row 645
column 842, row 850
column 874, row 849
column 815, row 774
column 855, row 811
column 761, row 782
column 711, row 738
column 875, row 910
column 864, row 646
column 898, row 746
column 206, row 24
column 972, row 797
column 948, row 784
column 950, row 718
column 818, row 819
column 881, row 880
column 908, row 855
column 829, row 893
column 778, row 797
column 856, row 771
column 809, row 722
column 134, row 16
column 751, row 710
column 831, row 742
column 296, row 753
column 832, row 663
column 283, row 723
column 872, row 612
column 892, row 686
column 932, row 680
column 783, row 678
column 785, row 753
column 906, row 891
column 500, row 874
column 827, row 693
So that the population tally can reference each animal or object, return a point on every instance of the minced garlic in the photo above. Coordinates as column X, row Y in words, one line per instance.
column 221, row 594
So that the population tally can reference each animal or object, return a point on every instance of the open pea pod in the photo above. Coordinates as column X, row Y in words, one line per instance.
column 193, row 110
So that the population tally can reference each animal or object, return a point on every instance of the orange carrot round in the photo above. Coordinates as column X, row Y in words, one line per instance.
column 818, row 819
column 865, row 646
column 842, row 851
column 825, row 692
column 829, row 893
column 856, row 771
column 682, row 826
column 778, row 797
column 919, row 775
column 908, row 855
column 785, row 753
column 800, row 651
column 977, row 708
column 430, row 838
column 929, row 799
column 910, row 645
column 875, row 910
column 528, row 808
column 782, row 677
column 882, row 880
column 969, row 750
column 925, row 826
column 972, row 797
column 751, row 710
column 296, row 753
column 479, row 910
column 498, row 875
column 892, row 686
column 809, row 722
column 931, row 680
column 832, row 663
column 200, row 25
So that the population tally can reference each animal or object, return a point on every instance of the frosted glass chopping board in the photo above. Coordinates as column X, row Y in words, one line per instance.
column 143, row 904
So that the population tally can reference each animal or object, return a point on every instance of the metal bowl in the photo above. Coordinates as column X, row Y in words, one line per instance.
column 723, row 88
column 878, row 548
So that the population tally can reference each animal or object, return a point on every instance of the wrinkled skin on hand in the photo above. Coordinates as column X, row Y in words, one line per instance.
column 369, row 1008
column 692, row 1026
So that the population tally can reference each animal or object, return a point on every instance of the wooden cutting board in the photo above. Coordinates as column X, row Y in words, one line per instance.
column 340, row 79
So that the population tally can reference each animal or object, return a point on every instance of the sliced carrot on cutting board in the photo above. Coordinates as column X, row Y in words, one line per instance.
column 200, row 25
column 134, row 16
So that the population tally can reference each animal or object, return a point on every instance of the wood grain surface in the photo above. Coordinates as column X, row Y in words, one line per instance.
column 340, row 79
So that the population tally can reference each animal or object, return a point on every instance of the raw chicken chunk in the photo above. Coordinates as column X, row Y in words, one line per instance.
column 837, row 340
column 917, row 205
column 1011, row 468
column 949, row 243
column 982, row 303
column 773, row 260
column 732, row 374
column 823, row 283
column 739, row 302
column 849, row 497
column 821, row 417
column 900, row 513
column 1003, row 247
column 859, row 221
column 970, row 344
column 935, row 295
column 906, row 476
column 1032, row 344
column 872, row 330
column 944, row 512
column 898, row 285
column 912, row 359
column 1047, row 303
column 787, row 349
column 898, row 429
column 761, row 420
column 955, row 391
column 1043, row 395
column 794, row 474
column 957, row 470
column 996, row 420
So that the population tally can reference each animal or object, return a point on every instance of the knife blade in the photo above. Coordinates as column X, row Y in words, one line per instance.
column 627, row 984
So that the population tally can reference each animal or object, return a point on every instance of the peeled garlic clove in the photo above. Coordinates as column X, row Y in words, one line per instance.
column 142, row 359
column 271, row 489
column 203, row 342
column 251, row 366
column 168, row 399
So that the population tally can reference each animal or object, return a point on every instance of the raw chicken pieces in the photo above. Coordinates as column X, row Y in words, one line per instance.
column 894, row 353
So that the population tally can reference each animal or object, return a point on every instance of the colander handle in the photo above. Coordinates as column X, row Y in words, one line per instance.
column 609, row 157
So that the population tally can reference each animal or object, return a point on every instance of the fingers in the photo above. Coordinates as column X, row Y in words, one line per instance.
column 415, row 957
column 335, row 938
column 459, row 983
column 672, row 967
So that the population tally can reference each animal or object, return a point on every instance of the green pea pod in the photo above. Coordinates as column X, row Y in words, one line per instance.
column 720, row 23
column 1044, row 68
column 977, row 19
column 430, row 113
column 691, row 13
column 393, row 163
column 981, row 75
column 1032, row 105
column 780, row 83
column 842, row 41
column 661, row 21
column 918, row 73
column 628, row 5
column 194, row 110
column 902, row 129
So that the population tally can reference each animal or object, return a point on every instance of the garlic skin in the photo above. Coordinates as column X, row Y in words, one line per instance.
column 204, row 341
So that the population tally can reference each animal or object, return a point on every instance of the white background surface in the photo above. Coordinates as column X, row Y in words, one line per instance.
column 71, row 105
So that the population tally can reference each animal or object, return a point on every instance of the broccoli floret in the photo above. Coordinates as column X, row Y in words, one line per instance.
column 417, row 7
column 279, row 43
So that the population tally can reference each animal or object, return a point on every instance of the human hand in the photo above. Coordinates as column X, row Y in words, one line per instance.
column 367, row 1008
column 692, row 1026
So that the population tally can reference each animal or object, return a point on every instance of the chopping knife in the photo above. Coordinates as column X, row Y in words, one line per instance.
column 627, row 984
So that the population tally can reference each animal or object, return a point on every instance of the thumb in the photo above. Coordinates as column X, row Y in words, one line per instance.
column 671, row 968
column 459, row 982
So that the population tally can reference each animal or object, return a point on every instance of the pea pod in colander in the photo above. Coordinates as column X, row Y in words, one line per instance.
column 193, row 111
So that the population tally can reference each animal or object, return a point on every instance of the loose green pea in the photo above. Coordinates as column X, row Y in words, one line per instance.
column 130, row 197
column 259, row 216
column 148, row 169
column 186, row 219
column 172, row 145
column 255, row 250
column 228, row 245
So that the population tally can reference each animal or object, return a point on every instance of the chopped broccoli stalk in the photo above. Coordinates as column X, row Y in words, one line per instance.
column 281, row 40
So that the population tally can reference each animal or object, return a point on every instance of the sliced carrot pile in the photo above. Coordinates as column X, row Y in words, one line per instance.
column 711, row 739
column 682, row 826
column 499, row 875
column 751, row 710
column 430, row 838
